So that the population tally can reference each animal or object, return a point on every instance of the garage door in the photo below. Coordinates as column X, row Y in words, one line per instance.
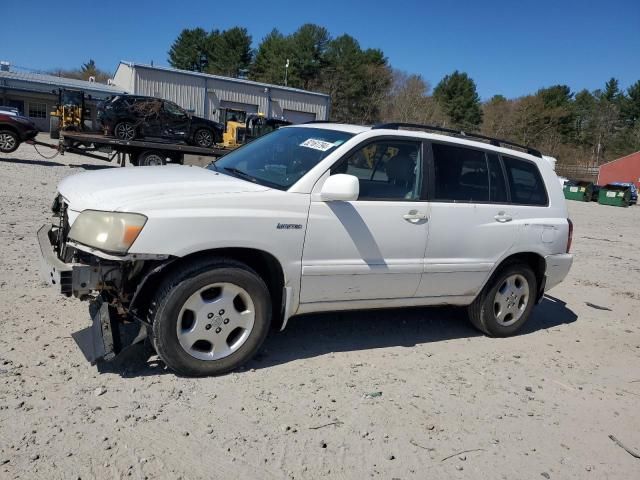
column 295, row 116
column 243, row 107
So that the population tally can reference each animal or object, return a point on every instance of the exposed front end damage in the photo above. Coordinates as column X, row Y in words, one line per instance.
column 110, row 284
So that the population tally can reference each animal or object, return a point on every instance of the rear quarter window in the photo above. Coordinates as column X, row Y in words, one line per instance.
column 525, row 182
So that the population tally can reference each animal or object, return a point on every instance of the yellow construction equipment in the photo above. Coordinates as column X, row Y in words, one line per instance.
column 69, row 112
column 241, row 128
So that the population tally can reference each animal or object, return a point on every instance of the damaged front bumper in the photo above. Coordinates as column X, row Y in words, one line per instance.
column 111, row 331
column 108, row 335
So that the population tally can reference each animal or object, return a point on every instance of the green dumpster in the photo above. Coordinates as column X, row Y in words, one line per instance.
column 616, row 195
column 578, row 190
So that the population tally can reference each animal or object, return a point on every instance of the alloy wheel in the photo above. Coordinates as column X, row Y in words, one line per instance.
column 511, row 299
column 215, row 321
column 7, row 142
column 125, row 131
column 204, row 138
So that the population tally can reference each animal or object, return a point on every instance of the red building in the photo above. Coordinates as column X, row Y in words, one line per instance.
column 625, row 169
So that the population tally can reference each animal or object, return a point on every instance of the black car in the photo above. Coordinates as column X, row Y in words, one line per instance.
column 14, row 129
column 128, row 117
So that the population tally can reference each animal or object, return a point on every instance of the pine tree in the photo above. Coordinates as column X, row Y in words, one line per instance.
column 189, row 50
column 457, row 95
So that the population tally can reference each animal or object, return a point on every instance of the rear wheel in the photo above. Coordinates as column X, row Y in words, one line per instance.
column 9, row 141
column 210, row 318
column 151, row 158
column 124, row 131
column 203, row 138
column 505, row 303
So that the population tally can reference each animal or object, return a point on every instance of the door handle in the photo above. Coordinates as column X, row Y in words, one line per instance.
column 414, row 216
column 503, row 217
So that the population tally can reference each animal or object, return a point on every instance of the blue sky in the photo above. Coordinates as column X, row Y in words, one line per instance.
column 508, row 47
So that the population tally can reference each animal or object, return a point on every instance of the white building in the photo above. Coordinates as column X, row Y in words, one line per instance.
column 206, row 95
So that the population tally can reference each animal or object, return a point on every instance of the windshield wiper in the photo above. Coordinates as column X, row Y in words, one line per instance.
column 242, row 174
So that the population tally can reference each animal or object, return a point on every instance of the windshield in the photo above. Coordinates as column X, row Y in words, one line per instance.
column 281, row 158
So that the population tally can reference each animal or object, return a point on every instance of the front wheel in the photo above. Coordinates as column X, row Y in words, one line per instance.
column 203, row 138
column 506, row 301
column 211, row 318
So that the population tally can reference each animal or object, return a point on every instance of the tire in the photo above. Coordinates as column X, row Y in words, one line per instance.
column 197, row 327
column 124, row 131
column 501, row 309
column 9, row 141
column 204, row 138
column 151, row 158
column 54, row 127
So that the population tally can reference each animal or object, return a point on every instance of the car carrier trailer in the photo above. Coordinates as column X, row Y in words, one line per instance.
column 139, row 152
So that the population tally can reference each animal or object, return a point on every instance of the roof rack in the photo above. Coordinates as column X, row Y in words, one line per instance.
column 458, row 133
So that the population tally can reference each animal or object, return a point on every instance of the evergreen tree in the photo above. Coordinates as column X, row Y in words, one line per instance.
column 270, row 59
column 189, row 50
column 229, row 52
column 457, row 95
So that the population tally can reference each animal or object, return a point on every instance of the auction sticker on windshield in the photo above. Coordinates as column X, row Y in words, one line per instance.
column 317, row 144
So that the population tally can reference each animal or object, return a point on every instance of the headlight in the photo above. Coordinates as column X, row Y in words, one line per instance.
column 108, row 231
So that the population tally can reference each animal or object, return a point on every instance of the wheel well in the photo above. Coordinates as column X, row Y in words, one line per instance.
column 534, row 260
column 10, row 128
column 264, row 264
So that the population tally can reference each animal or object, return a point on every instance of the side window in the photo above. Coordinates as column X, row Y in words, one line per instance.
column 526, row 184
column 147, row 107
column 497, row 183
column 461, row 174
column 173, row 109
column 386, row 170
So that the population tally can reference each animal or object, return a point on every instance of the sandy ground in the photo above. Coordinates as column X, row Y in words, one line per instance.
column 389, row 394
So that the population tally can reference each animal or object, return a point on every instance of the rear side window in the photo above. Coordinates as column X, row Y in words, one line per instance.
column 461, row 174
column 497, row 183
column 525, row 182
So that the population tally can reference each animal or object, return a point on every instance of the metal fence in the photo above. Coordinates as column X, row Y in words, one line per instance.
column 578, row 172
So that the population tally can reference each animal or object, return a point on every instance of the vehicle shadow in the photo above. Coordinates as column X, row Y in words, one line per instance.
column 312, row 335
column 42, row 163
column 88, row 166
column 309, row 336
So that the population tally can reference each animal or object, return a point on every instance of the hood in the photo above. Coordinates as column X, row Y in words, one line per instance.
column 199, row 121
column 144, row 188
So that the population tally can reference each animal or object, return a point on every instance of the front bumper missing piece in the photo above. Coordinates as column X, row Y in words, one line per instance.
column 109, row 334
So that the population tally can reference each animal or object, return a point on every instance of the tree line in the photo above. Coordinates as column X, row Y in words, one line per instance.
column 587, row 127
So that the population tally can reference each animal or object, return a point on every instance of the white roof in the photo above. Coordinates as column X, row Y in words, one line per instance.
column 44, row 82
column 341, row 127
column 358, row 129
column 221, row 78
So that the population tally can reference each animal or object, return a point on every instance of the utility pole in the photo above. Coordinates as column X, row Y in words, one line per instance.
column 286, row 72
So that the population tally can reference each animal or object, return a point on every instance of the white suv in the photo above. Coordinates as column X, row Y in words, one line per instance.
column 314, row 217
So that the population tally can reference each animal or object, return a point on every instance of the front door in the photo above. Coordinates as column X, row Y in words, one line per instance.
column 176, row 122
column 472, row 223
column 371, row 248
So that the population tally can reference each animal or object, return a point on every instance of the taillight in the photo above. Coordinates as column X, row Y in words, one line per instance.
column 570, row 236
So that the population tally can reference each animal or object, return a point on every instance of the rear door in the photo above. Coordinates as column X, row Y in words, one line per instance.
column 373, row 247
column 148, row 111
column 471, row 223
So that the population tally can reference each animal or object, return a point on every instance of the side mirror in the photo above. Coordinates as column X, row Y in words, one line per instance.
column 341, row 187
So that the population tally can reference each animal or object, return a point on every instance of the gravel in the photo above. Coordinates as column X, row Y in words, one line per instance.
column 447, row 389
